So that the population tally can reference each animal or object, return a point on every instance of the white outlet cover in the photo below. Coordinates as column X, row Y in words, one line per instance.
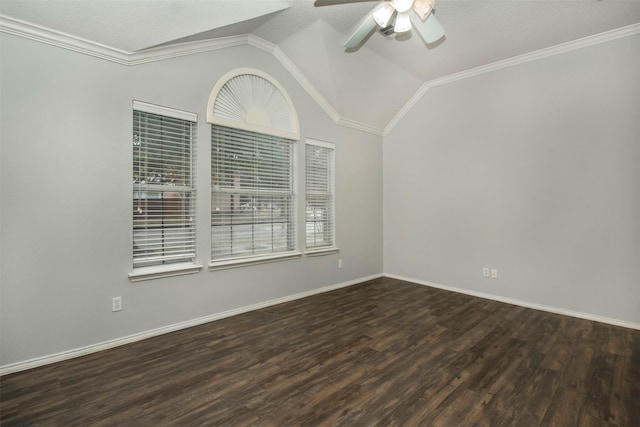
column 494, row 273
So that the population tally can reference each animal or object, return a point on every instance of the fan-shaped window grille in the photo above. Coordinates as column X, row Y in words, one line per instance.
column 251, row 100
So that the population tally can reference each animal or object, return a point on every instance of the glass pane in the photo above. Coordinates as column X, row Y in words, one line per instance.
column 252, row 193
column 163, row 196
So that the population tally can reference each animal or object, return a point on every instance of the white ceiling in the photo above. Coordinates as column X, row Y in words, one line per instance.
column 369, row 85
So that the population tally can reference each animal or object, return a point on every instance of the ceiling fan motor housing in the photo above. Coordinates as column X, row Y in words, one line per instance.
column 387, row 31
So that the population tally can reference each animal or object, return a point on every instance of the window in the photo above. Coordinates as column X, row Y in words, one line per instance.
column 164, row 226
column 319, row 195
column 254, row 129
column 252, row 194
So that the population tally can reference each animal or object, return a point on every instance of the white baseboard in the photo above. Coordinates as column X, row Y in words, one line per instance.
column 77, row 352
column 93, row 348
column 550, row 309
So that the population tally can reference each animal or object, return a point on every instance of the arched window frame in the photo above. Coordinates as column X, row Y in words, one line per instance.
column 246, row 101
column 247, row 98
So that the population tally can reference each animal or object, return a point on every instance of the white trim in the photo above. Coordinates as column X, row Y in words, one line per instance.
column 223, row 264
column 541, row 54
column 319, row 143
column 309, row 87
column 330, row 152
column 406, row 108
column 159, row 271
column 87, row 47
column 164, row 111
column 313, row 92
column 183, row 49
column 322, row 251
column 105, row 345
column 595, row 39
column 223, row 121
column 353, row 124
column 66, row 41
column 535, row 306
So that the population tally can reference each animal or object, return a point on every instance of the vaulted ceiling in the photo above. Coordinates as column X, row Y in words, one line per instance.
column 369, row 85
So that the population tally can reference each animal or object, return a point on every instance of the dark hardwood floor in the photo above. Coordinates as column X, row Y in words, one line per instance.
column 384, row 352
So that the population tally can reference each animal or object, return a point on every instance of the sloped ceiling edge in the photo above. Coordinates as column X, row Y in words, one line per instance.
column 87, row 47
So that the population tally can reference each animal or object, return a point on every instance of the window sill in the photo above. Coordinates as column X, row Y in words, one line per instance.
column 322, row 251
column 241, row 262
column 158, row 271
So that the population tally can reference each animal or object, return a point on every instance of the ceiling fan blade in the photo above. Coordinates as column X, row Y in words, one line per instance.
column 430, row 30
column 362, row 30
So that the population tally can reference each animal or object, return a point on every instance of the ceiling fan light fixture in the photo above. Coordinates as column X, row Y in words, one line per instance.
column 403, row 22
column 383, row 14
column 397, row 17
column 402, row 5
column 423, row 7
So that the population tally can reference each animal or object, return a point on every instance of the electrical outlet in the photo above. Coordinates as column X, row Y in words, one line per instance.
column 340, row 263
column 116, row 304
column 494, row 273
column 485, row 272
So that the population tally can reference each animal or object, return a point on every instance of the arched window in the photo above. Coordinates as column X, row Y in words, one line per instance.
column 254, row 129
column 251, row 100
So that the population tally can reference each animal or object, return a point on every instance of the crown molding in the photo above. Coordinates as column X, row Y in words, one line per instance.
column 540, row 54
column 51, row 37
column 86, row 47
column 595, row 39
column 405, row 109
column 183, row 49
column 313, row 92
column 288, row 64
column 354, row 124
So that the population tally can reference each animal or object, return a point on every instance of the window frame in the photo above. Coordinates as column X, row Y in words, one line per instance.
column 256, row 257
column 331, row 247
column 166, row 268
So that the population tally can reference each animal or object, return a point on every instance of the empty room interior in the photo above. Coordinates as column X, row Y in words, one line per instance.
column 329, row 212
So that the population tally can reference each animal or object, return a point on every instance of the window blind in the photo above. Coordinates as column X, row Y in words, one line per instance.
column 164, row 195
column 252, row 194
column 319, row 194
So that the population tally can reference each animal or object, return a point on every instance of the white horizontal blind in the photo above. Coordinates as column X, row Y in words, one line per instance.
column 164, row 195
column 252, row 194
column 319, row 194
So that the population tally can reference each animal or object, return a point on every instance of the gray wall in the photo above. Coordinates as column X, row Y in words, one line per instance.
column 533, row 170
column 66, row 199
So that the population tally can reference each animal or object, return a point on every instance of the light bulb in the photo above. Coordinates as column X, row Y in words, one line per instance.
column 403, row 23
column 383, row 14
column 423, row 8
column 402, row 5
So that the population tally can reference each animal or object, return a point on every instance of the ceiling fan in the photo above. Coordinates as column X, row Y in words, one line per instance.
column 395, row 16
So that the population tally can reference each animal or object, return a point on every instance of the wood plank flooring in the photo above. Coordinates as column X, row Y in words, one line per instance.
column 384, row 352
